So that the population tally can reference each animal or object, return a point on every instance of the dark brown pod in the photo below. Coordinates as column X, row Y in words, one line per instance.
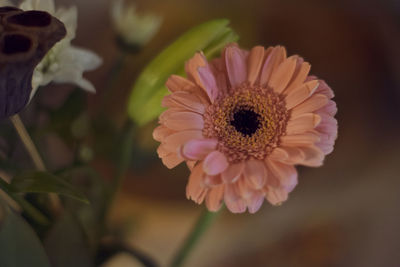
column 25, row 38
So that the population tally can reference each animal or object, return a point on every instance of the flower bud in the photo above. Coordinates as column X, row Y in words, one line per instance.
column 133, row 30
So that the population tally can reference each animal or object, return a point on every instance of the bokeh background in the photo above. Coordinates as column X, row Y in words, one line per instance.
column 345, row 213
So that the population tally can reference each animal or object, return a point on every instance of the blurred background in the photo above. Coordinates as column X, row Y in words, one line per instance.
column 345, row 213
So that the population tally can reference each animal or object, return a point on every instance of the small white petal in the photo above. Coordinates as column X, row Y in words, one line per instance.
column 64, row 63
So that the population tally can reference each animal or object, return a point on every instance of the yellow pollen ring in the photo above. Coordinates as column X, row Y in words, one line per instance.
column 237, row 146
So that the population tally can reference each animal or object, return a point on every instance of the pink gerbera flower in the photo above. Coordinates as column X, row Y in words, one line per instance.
column 242, row 122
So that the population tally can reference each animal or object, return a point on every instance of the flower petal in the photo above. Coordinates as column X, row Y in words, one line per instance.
column 252, row 198
column 255, row 173
column 313, row 156
column 214, row 198
column 232, row 199
column 84, row 59
column 307, row 138
column 307, row 155
column 254, row 63
column 302, row 123
column 190, row 164
column 192, row 66
column 161, row 132
column 219, row 69
column 286, row 174
column 212, row 180
column 326, row 144
column 195, row 188
column 198, row 148
column 174, row 141
column 328, row 130
column 255, row 202
column 328, row 125
column 299, row 77
column 276, row 196
column 313, row 103
column 215, row 163
column 235, row 65
column 330, row 108
column 245, row 189
column 296, row 155
column 232, row 192
column 171, row 160
column 233, row 172
column 300, row 94
column 184, row 100
column 71, row 63
column 324, row 88
column 207, row 79
column 222, row 82
column 283, row 74
column 238, row 206
column 279, row 154
column 276, row 57
column 83, row 84
column 180, row 121
column 177, row 83
column 162, row 152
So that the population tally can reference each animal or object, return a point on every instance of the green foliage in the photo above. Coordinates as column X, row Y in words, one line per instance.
column 19, row 245
column 31, row 211
column 145, row 100
column 44, row 182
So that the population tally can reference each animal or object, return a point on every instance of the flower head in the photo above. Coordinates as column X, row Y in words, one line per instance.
column 64, row 63
column 134, row 30
column 242, row 122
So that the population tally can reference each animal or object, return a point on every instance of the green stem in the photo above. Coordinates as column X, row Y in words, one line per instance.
column 202, row 224
column 28, row 143
column 55, row 202
column 124, row 160
column 126, row 154
column 28, row 208
column 113, row 76
column 124, row 147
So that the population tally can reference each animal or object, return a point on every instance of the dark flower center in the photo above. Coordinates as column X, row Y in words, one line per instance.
column 245, row 121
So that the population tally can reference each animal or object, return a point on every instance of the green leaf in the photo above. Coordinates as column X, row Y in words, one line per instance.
column 44, row 182
column 145, row 100
column 29, row 209
column 19, row 245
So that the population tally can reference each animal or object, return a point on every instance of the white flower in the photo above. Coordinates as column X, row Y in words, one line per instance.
column 44, row 5
column 64, row 63
column 134, row 29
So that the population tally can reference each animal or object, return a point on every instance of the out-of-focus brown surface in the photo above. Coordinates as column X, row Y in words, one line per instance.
column 342, row 214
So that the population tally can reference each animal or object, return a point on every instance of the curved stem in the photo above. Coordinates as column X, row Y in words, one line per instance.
column 35, row 156
column 202, row 224
column 28, row 143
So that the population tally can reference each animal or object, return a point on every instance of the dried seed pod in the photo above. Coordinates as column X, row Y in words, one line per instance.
column 25, row 38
